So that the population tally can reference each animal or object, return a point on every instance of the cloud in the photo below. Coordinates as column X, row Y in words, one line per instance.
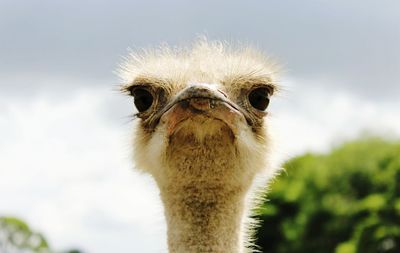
column 311, row 118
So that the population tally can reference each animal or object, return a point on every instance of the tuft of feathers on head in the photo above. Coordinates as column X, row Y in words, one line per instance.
column 200, row 61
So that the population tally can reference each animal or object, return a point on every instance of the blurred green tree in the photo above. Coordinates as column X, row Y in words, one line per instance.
column 16, row 236
column 347, row 201
column 73, row 251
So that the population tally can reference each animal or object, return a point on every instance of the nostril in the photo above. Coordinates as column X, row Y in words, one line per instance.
column 201, row 104
column 202, row 90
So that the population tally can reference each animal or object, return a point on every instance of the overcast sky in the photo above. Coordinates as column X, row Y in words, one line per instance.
column 64, row 146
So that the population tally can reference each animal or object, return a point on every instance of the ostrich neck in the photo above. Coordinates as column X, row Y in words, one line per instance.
column 198, row 223
column 204, row 196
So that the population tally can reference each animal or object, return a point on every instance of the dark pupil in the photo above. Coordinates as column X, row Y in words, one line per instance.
column 259, row 98
column 142, row 99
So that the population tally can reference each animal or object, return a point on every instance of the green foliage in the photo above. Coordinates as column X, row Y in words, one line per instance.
column 16, row 236
column 347, row 201
column 73, row 251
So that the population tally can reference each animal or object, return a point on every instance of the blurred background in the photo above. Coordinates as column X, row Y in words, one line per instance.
column 66, row 179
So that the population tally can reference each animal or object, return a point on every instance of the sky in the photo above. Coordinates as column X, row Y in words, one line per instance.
column 65, row 131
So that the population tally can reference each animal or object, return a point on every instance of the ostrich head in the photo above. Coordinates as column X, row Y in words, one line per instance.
column 202, row 133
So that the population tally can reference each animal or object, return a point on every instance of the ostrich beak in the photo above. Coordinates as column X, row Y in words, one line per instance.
column 201, row 101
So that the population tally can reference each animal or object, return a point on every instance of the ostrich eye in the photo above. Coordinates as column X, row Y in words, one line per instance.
column 143, row 99
column 259, row 98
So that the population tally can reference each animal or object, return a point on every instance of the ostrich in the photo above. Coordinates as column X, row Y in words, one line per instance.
column 202, row 133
